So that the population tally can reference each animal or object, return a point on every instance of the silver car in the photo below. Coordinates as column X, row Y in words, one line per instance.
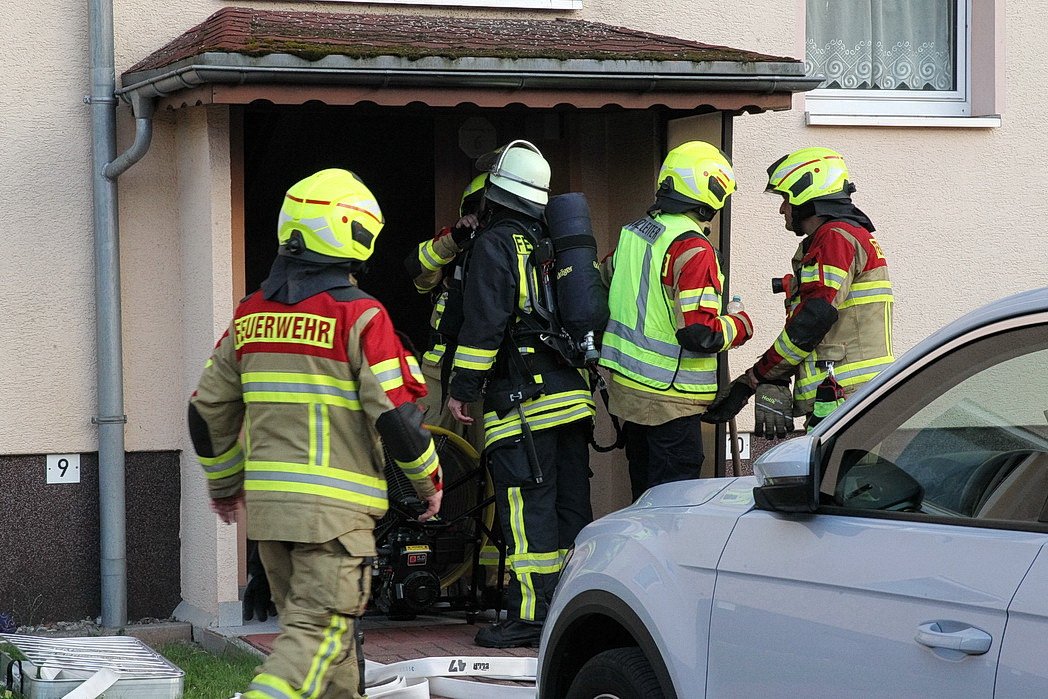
column 900, row 549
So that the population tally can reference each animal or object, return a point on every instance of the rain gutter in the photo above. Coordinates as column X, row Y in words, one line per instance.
column 475, row 73
column 110, row 417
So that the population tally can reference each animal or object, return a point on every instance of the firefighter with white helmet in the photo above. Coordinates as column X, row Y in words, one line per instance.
column 288, row 415
column 837, row 334
column 538, row 411
column 668, row 320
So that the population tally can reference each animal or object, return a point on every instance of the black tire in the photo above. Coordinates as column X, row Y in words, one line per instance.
column 619, row 673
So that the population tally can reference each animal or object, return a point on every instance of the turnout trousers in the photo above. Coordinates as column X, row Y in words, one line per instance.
column 663, row 453
column 320, row 592
column 540, row 521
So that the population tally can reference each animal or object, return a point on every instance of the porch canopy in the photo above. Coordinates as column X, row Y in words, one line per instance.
column 239, row 55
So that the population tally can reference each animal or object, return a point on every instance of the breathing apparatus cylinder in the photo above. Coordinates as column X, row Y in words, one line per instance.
column 582, row 299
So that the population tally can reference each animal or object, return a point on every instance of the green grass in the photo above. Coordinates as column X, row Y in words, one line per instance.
column 210, row 676
column 15, row 654
column 11, row 652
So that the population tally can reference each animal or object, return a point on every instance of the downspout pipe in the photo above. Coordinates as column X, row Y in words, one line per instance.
column 142, row 108
column 110, row 417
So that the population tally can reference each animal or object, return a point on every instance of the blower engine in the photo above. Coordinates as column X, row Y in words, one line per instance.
column 412, row 559
column 420, row 564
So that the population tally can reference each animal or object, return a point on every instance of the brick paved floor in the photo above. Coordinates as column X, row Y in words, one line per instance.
column 388, row 641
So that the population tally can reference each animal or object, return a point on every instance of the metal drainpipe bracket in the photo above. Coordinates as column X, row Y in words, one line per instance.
column 109, row 420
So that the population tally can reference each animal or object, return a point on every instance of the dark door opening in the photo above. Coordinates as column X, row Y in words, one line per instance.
column 391, row 150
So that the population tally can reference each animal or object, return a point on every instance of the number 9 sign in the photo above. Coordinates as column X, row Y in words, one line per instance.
column 63, row 468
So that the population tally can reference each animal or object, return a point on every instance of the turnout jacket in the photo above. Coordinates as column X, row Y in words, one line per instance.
column 499, row 355
column 290, row 407
column 665, row 276
column 842, row 264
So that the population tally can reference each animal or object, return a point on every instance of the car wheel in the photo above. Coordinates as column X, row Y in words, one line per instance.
column 619, row 673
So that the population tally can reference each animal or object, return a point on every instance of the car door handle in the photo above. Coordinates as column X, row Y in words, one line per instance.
column 954, row 635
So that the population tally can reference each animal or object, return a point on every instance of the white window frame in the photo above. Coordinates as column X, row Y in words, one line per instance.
column 904, row 103
column 502, row 4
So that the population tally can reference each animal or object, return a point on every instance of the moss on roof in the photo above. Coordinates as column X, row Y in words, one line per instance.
column 316, row 35
column 317, row 49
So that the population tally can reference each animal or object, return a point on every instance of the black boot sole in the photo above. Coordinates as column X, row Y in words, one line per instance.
column 526, row 643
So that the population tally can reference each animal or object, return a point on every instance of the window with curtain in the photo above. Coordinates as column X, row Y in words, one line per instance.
column 888, row 56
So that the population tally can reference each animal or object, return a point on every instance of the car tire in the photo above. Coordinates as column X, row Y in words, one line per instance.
column 619, row 673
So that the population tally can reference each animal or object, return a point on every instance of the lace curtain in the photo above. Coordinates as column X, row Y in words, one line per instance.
column 882, row 44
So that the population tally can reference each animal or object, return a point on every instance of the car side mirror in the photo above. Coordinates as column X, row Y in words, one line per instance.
column 786, row 477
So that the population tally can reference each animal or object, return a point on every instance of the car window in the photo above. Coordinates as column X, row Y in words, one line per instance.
column 965, row 437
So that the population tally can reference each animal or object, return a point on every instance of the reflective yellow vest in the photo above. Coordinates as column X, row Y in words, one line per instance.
column 640, row 342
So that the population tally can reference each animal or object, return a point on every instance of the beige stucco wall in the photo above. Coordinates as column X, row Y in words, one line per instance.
column 47, row 327
column 205, row 305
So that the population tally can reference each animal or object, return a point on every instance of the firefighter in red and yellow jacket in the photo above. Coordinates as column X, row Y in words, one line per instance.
column 667, row 321
column 289, row 412
column 839, row 300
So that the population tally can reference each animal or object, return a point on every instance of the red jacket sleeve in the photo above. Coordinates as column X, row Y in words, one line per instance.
column 395, row 368
column 693, row 271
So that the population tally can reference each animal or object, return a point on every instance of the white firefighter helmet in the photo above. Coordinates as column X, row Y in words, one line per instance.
column 519, row 169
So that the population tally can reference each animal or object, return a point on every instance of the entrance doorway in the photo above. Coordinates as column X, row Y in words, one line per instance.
column 414, row 159
column 417, row 159
column 391, row 150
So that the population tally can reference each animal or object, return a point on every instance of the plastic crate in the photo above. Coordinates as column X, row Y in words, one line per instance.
column 54, row 667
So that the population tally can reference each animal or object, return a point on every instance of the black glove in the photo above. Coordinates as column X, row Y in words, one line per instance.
column 258, row 600
column 773, row 410
column 461, row 236
column 730, row 404
column 464, row 230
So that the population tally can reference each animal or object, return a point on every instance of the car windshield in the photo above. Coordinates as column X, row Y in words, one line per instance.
column 966, row 436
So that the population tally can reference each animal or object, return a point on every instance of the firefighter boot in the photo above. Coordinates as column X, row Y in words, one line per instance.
column 511, row 633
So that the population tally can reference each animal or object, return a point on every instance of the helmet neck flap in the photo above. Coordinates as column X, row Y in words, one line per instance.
column 519, row 204
column 837, row 207
column 292, row 279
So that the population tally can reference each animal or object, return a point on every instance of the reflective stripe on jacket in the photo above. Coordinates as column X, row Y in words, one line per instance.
column 426, row 265
column 497, row 343
column 435, row 354
column 304, row 385
column 860, row 343
column 640, row 342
